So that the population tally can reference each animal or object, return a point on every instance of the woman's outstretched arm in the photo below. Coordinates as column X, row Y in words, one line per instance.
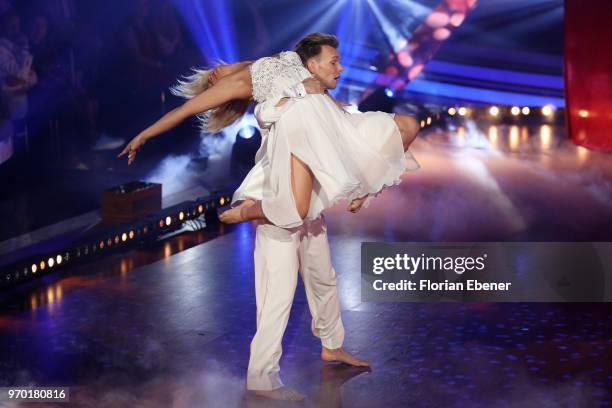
column 234, row 86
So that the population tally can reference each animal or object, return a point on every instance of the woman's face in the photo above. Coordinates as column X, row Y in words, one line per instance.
column 217, row 73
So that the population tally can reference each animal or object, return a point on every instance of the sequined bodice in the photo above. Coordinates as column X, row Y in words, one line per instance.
column 270, row 75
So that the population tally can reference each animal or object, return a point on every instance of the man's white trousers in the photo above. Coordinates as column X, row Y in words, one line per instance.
column 279, row 255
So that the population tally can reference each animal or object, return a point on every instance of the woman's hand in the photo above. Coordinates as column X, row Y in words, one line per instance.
column 132, row 147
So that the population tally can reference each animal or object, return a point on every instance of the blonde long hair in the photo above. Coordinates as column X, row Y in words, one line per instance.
column 214, row 119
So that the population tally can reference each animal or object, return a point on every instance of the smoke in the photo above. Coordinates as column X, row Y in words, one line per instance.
column 172, row 174
column 213, row 386
column 209, row 168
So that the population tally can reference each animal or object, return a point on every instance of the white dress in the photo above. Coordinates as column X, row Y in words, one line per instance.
column 350, row 155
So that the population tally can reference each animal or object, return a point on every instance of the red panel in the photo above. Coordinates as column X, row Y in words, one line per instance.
column 588, row 72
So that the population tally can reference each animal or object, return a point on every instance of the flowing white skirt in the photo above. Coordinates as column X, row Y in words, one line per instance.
column 350, row 155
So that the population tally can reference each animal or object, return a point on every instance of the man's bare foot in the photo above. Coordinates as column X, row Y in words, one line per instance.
column 356, row 204
column 235, row 215
column 342, row 356
column 283, row 393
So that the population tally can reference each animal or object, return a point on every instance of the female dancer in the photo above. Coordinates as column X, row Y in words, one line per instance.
column 316, row 153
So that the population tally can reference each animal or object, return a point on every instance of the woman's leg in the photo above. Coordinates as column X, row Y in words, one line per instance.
column 301, row 187
column 408, row 127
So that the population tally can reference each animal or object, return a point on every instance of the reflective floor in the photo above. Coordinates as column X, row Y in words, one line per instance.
column 493, row 183
column 171, row 325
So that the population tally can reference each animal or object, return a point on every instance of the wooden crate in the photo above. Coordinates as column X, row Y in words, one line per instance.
column 130, row 201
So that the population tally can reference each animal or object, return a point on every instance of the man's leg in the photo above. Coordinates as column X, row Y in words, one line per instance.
column 276, row 265
column 319, row 279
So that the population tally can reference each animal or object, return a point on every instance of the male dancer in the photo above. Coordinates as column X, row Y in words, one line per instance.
column 280, row 253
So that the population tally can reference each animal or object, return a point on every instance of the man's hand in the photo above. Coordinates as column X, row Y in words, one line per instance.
column 313, row 86
column 337, row 102
column 342, row 104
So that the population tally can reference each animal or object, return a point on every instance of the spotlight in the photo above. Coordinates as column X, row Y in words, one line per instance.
column 124, row 237
column 222, row 201
column 181, row 216
column 116, row 239
column 462, row 111
column 452, row 111
column 525, row 110
column 247, row 132
column 34, row 268
column 42, row 265
column 58, row 259
column 389, row 92
column 168, row 220
column 547, row 110
column 429, row 120
column 51, row 262
column 494, row 111
column 101, row 245
column 515, row 110
column 242, row 159
column 422, row 123
column 200, row 208
column 161, row 223
column 583, row 113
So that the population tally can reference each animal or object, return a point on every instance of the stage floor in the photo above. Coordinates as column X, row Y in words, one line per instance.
column 171, row 325
column 177, row 331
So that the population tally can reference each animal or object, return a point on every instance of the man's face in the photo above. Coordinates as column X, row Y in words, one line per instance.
column 326, row 66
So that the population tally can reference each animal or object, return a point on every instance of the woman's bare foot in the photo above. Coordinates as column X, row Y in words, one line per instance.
column 283, row 393
column 342, row 356
column 236, row 214
column 356, row 204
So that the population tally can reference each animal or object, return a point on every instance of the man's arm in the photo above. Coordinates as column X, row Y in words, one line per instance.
column 269, row 111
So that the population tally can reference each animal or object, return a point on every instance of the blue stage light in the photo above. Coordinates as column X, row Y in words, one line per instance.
column 389, row 92
column 213, row 32
column 247, row 132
